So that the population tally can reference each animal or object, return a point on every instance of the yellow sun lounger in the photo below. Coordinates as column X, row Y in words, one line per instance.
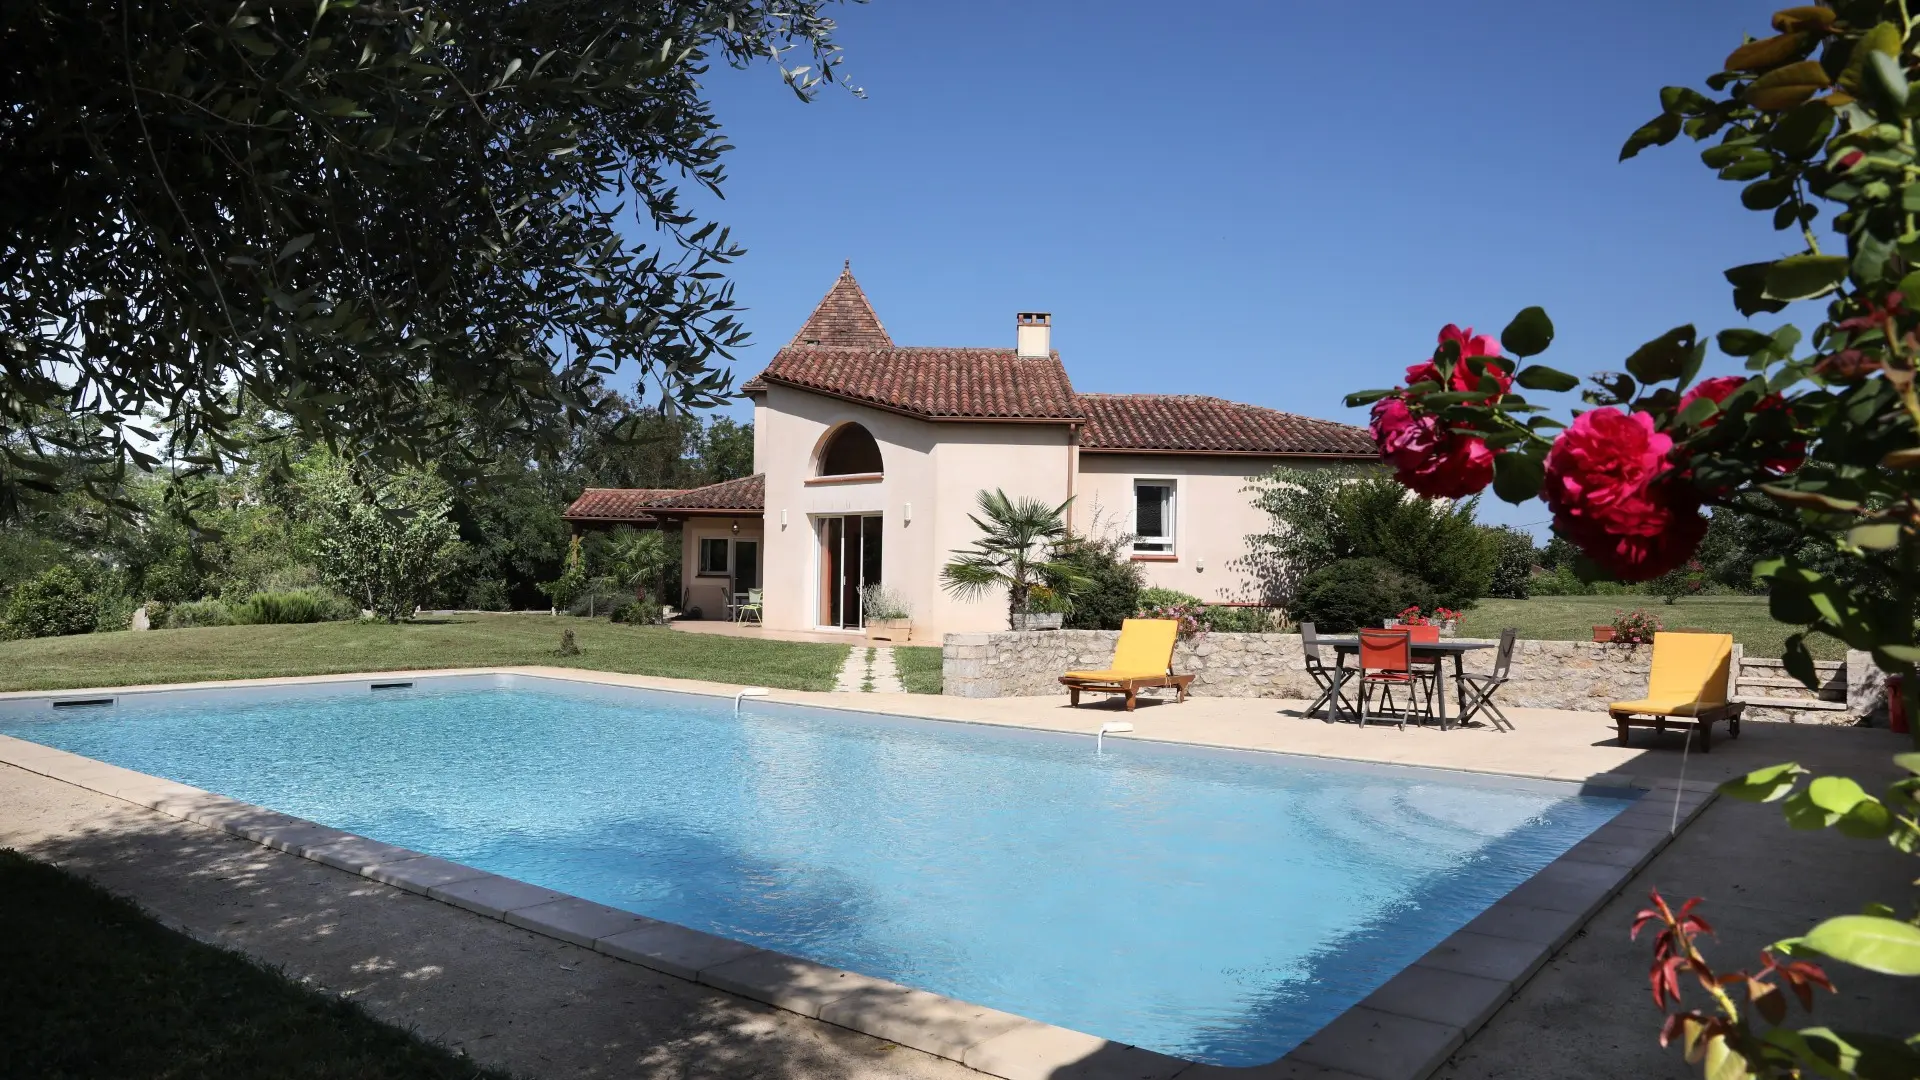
column 1688, row 687
column 1143, row 658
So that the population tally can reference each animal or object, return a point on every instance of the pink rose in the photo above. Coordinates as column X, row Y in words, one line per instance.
column 1718, row 390
column 1472, row 365
column 1614, row 494
column 1425, row 455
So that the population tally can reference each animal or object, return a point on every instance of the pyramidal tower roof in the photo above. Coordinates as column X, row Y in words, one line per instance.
column 844, row 318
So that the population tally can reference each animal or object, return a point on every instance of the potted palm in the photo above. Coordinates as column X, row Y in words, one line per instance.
column 1014, row 552
column 886, row 613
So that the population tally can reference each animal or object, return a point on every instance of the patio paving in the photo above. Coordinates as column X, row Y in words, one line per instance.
column 547, row 1008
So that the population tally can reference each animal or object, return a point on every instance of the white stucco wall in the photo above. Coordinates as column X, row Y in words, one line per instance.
column 709, row 593
column 937, row 468
column 1213, row 514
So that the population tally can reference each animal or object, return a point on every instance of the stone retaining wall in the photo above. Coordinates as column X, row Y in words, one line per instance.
column 1579, row 675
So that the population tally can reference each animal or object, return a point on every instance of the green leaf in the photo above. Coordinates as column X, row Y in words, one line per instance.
column 1764, row 785
column 1876, row 537
column 1767, row 194
column 295, row 246
column 1517, row 477
column 1749, row 283
column 1871, row 942
column 1740, row 341
column 1884, row 74
column 1802, row 130
column 1664, row 357
column 1658, row 131
column 1529, row 333
column 1836, row 794
column 1909, row 762
column 1802, row 277
column 1366, row 397
column 1868, row 820
column 1542, row 377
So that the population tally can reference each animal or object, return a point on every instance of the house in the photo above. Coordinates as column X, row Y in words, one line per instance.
column 870, row 455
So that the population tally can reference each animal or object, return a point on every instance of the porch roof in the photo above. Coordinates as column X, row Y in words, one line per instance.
column 745, row 496
column 616, row 504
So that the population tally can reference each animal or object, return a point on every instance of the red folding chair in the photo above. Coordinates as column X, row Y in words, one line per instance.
column 1386, row 661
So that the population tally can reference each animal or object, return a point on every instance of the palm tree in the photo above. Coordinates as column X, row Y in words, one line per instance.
column 639, row 559
column 1014, row 552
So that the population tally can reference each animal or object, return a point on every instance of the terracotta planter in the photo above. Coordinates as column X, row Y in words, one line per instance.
column 891, row 630
column 1603, row 633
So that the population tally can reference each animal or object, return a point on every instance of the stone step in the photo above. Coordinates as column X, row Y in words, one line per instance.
column 1834, row 687
column 1809, row 704
column 1780, row 665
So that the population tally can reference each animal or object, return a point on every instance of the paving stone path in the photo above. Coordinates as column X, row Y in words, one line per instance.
column 869, row 670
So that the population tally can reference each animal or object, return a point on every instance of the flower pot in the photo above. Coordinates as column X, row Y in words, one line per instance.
column 1603, row 633
column 1039, row 620
column 1449, row 627
column 893, row 630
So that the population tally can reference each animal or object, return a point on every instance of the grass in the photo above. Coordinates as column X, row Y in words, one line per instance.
column 243, row 652
column 1572, row 618
column 918, row 667
column 90, row 986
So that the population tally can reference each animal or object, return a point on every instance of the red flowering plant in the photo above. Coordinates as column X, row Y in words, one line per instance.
column 1820, row 435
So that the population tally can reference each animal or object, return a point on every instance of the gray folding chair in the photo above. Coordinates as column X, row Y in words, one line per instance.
column 1481, row 688
column 1320, row 673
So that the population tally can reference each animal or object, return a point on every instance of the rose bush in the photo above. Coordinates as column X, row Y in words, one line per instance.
column 1820, row 441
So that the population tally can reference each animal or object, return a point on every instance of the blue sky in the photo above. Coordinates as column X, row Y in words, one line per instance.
column 1273, row 202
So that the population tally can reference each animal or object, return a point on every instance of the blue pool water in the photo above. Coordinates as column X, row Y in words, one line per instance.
column 1215, row 905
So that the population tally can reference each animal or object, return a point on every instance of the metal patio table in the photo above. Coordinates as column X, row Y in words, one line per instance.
column 1434, row 651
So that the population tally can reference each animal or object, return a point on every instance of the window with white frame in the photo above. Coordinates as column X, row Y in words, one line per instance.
column 1153, row 517
column 713, row 555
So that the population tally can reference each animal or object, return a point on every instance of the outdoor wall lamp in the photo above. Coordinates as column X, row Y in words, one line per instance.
column 736, row 528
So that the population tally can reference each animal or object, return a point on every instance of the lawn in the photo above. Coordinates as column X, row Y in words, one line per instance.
column 1572, row 618
column 919, row 668
column 92, row 987
column 243, row 652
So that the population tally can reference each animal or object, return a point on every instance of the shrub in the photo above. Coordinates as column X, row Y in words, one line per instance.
column 1157, row 597
column 1512, row 561
column 600, row 597
column 879, row 602
column 1358, row 592
column 199, row 613
column 487, row 594
column 1559, row 582
column 1109, row 591
column 1242, row 620
column 1635, row 627
column 295, row 606
column 49, row 604
column 646, row 612
column 1688, row 580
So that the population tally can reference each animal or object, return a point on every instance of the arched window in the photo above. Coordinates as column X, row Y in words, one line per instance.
column 850, row 450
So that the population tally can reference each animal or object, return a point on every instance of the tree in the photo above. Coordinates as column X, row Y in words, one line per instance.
column 1013, row 552
column 382, row 541
column 640, row 558
column 726, row 450
column 1512, row 561
column 1321, row 517
column 347, row 212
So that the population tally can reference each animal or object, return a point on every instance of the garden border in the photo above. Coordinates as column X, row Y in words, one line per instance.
column 1402, row 1031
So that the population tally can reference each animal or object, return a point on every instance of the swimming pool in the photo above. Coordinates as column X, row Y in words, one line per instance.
column 1216, row 905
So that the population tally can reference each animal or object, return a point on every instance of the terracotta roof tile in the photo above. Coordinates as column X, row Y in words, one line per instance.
column 746, row 493
column 616, row 504
column 844, row 318
column 986, row 384
column 1199, row 424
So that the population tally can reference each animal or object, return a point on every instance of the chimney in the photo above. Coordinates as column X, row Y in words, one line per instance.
column 1035, row 334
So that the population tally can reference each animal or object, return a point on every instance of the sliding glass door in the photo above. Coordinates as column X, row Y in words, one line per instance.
column 849, row 561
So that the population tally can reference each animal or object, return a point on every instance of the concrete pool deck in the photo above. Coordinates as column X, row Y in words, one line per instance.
column 1430, row 1014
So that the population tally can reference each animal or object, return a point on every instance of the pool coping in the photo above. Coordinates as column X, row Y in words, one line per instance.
column 1404, row 1030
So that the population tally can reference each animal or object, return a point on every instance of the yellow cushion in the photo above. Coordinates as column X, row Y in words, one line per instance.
column 1689, row 674
column 1113, row 675
column 1146, row 645
column 1663, row 706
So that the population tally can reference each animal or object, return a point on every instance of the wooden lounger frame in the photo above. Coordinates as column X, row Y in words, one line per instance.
column 1128, row 687
column 1703, row 723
